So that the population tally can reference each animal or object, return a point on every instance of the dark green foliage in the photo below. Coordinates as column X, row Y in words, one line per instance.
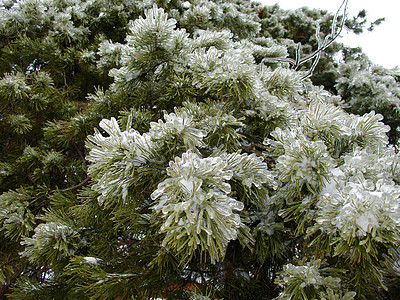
column 166, row 149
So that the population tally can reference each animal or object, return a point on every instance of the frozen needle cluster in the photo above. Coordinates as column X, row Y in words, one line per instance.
column 176, row 149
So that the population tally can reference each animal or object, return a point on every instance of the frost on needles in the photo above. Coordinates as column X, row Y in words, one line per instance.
column 195, row 207
column 202, row 166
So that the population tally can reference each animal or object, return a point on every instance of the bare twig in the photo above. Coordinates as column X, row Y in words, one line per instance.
column 71, row 188
column 75, row 187
column 153, row 166
column 3, row 108
column 322, row 44
column 84, row 166
column 329, row 39
column 279, row 59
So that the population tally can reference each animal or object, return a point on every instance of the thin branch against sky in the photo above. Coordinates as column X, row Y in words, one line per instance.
column 382, row 44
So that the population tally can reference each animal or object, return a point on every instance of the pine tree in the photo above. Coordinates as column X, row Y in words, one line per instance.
column 186, row 150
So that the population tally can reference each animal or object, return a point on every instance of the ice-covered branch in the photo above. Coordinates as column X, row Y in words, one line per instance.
column 322, row 44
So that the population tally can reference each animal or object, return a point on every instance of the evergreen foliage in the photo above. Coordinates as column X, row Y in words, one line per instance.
column 194, row 150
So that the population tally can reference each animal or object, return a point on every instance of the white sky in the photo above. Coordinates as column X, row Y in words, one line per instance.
column 382, row 45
